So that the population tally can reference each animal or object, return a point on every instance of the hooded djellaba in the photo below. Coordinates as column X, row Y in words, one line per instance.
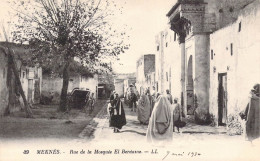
column 252, row 114
column 144, row 109
column 161, row 122
column 118, row 119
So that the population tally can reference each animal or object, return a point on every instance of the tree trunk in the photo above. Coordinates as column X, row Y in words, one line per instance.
column 65, row 85
column 27, row 108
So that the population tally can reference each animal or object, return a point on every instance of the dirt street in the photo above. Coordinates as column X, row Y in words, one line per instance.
column 48, row 123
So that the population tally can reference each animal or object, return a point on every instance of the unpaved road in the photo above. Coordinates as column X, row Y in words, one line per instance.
column 48, row 123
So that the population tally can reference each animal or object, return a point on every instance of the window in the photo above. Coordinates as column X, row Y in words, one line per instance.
column 239, row 27
column 166, row 44
column 167, row 76
column 211, row 54
column 158, row 48
column 4, row 73
column 231, row 9
column 23, row 74
column 175, row 35
column 231, row 49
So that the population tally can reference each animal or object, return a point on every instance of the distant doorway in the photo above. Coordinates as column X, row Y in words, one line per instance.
column 37, row 93
column 190, row 88
column 222, row 99
column 30, row 91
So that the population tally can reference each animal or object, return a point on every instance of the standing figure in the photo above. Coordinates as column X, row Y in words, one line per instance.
column 153, row 98
column 169, row 96
column 112, row 96
column 133, row 100
column 161, row 122
column 92, row 102
column 144, row 109
column 177, row 114
column 252, row 114
column 118, row 119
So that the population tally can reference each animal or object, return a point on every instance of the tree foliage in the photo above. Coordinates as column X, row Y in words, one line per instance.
column 61, row 31
column 64, row 29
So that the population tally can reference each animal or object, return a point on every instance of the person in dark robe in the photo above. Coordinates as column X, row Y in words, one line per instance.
column 112, row 96
column 118, row 119
column 177, row 113
column 133, row 99
column 252, row 114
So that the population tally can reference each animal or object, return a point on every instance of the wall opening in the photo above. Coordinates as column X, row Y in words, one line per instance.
column 231, row 49
column 23, row 74
column 3, row 72
column 222, row 99
column 239, row 26
column 190, row 88
column 211, row 54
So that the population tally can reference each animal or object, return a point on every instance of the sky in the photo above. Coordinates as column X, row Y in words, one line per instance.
column 144, row 20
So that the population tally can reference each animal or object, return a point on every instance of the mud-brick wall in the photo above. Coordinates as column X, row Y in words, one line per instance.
column 53, row 86
column 4, row 94
column 236, row 52
column 140, row 77
column 172, row 65
column 149, row 63
column 119, row 87
column 90, row 83
column 226, row 11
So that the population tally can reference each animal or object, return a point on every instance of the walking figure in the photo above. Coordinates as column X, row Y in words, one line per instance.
column 133, row 100
column 91, row 102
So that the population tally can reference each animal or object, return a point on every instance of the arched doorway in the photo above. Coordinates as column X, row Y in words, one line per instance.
column 189, row 87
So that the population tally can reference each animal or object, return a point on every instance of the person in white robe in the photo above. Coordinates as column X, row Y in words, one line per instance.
column 160, row 128
column 144, row 109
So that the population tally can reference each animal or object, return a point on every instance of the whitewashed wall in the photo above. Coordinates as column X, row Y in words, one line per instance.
column 243, row 67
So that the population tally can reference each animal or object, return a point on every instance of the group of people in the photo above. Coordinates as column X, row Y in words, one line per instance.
column 159, row 112
column 162, row 113
column 165, row 117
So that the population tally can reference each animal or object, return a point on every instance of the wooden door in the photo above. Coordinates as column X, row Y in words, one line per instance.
column 222, row 99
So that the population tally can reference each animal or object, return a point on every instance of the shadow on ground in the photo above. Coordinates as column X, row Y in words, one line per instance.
column 133, row 131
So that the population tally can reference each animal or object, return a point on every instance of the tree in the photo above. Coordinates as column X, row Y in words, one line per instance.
column 61, row 31
column 13, row 68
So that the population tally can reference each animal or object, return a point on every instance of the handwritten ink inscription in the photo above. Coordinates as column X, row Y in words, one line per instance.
column 189, row 154
column 26, row 152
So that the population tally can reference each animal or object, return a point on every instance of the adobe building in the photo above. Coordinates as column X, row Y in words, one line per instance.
column 234, row 63
column 105, row 85
column 168, row 63
column 30, row 77
column 144, row 65
column 129, row 81
column 122, row 82
column 51, row 86
column 219, row 54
